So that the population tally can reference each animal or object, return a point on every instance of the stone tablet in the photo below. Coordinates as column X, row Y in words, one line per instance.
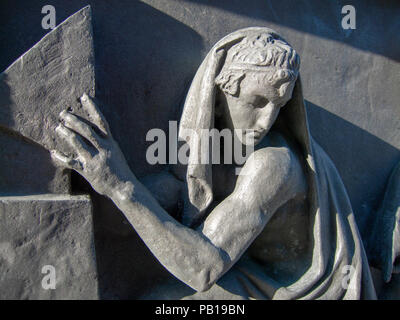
column 49, row 78
column 42, row 232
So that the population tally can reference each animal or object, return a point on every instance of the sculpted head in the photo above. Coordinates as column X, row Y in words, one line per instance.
column 256, row 80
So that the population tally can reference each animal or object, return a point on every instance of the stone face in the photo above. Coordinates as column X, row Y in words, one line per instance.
column 47, row 79
column 41, row 230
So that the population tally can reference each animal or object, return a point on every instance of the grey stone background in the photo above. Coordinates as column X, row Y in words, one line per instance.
column 146, row 55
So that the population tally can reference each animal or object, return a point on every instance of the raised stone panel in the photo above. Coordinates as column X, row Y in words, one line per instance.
column 49, row 78
column 42, row 230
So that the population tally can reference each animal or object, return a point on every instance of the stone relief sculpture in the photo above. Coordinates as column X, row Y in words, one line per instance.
column 282, row 229
column 53, row 72
column 45, row 226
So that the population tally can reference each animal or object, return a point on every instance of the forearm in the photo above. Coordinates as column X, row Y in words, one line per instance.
column 186, row 253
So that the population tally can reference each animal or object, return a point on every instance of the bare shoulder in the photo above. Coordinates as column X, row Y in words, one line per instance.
column 272, row 174
column 270, row 178
column 271, row 162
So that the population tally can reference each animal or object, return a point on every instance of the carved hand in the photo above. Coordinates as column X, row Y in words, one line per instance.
column 96, row 155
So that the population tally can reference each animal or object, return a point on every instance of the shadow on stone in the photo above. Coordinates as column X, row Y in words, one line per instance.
column 145, row 60
column 360, row 158
column 323, row 19
column 143, row 71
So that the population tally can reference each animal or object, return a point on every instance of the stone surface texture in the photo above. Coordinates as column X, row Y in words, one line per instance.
column 38, row 229
column 147, row 53
column 41, row 230
column 47, row 79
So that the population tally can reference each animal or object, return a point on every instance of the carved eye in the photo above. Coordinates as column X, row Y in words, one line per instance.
column 259, row 102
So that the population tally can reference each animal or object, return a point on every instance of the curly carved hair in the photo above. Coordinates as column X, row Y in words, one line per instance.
column 267, row 54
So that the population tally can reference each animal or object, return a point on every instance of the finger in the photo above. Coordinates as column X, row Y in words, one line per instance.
column 74, row 141
column 73, row 122
column 64, row 161
column 95, row 114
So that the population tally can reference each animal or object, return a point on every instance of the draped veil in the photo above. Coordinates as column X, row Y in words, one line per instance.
column 337, row 248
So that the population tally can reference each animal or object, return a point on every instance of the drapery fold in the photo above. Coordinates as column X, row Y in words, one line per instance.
column 338, row 266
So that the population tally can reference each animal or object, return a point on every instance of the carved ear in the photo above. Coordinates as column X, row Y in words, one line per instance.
column 283, row 88
column 229, row 81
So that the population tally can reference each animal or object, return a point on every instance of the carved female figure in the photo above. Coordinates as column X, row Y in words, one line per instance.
column 283, row 228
